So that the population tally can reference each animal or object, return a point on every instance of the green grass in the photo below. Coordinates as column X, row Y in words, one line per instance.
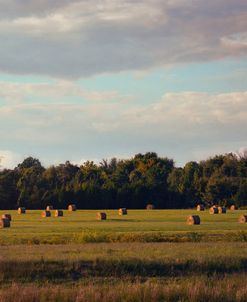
column 199, row 251
column 147, row 256
column 67, row 262
column 138, row 225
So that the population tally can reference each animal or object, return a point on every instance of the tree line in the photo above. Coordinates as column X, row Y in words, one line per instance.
column 131, row 183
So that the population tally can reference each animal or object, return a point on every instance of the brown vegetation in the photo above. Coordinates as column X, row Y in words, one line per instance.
column 22, row 210
column 8, row 216
column 222, row 210
column 122, row 211
column 228, row 288
column 242, row 219
column 58, row 213
column 101, row 216
column 4, row 223
column 193, row 219
column 213, row 210
column 72, row 207
column 200, row 207
column 46, row 214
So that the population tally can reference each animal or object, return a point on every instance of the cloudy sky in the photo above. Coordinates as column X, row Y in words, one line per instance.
column 96, row 79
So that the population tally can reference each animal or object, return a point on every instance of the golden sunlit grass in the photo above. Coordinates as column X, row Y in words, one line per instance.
column 139, row 225
column 142, row 256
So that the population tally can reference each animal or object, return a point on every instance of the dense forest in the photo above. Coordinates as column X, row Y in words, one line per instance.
column 132, row 183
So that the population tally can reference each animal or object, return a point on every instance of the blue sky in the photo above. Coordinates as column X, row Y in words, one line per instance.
column 113, row 78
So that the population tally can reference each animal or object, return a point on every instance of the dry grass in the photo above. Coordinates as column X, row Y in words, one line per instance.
column 64, row 263
column 200, row 207
column 72, row 207
column 8, row 216
column 58, row 213
column 22, row 210
column 193, row 219
column 214, row 289
column 213, row 210
column 242, row 219
column 122, row 211
column 46, row 214
column 101, row 216
column 222, row 210
column 4, row 223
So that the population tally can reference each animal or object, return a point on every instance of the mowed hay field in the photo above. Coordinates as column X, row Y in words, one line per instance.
column 147, row 255
column 139, row 225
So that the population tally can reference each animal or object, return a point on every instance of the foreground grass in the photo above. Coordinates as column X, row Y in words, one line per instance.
column 144, row 256
column 77, row 262
column 138, row 226
column 226, row 289
column 202, row 251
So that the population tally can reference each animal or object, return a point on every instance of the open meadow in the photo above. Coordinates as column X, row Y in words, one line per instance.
column 81, row 226
column 147, row 255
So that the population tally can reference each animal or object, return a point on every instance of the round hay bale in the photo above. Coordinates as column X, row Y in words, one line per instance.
column 58, row 213
column 242, row 219
column 213, row 210
column 200, row 207
column 4, row 223
column 193, row 219
column 122, row 211
column 72, row 207
column 21, row 210
column 46, row 214
column 233, row 207
column 101, row 216
column 8, row 216
column 222, row 210
column 49, row 208
column 150, row 206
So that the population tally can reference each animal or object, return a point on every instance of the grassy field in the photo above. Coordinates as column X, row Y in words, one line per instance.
column 199, row 271
column 138, row 225
column 145, row 256
column 229, row 288
column 60, row 262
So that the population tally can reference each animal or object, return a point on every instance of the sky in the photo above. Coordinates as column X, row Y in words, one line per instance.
column 86, row 80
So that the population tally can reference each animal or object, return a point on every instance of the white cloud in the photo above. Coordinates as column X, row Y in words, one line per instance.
column 20, row 92
column 187, row 122
column 236, row 40
column 190, row 109
column 75, row 15
column 55, row 23
column 9, row 159
column 81, row 38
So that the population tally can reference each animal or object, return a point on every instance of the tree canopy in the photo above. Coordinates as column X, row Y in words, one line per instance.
column 132, row 183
